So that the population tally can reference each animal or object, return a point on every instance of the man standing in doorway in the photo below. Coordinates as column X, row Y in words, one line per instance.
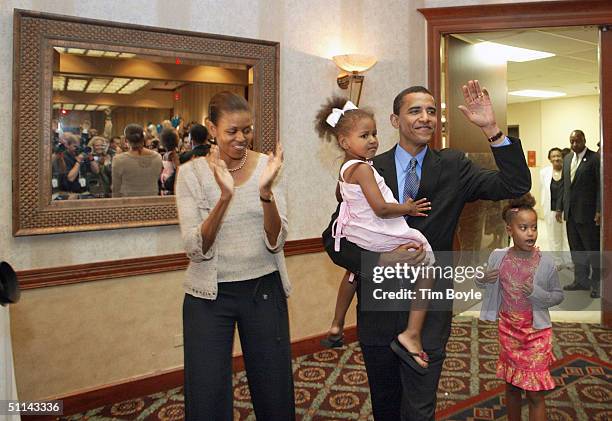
column 448, row 179
column 580, row 205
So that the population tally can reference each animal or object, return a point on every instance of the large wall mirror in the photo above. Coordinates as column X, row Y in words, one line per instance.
column 79, row 82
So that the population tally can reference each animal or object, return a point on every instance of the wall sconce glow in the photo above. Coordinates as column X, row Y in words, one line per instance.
column 353, row 65
column 501, row 52
column 534, row 93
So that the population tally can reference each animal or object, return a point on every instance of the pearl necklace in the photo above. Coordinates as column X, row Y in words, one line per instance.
column 242, row 162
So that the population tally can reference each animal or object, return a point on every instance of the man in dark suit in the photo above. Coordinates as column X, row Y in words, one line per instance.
column 448, row 180
column 580, row 205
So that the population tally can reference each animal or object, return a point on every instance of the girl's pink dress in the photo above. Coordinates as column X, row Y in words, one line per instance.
column 526, row 353
column 360, row 225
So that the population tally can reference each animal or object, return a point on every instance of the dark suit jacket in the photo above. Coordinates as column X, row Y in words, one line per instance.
column 581, row 198
column 448, row 180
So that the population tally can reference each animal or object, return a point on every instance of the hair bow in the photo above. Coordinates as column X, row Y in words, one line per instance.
column 336, row 113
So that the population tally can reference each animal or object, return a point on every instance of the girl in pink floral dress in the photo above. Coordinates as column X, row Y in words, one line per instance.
column 522, row 283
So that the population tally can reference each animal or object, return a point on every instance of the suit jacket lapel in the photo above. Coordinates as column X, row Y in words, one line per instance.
column 385, row 165
column 430, row 173
column 582, row 164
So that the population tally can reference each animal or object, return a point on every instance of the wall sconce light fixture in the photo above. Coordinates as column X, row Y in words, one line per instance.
column 352, row 65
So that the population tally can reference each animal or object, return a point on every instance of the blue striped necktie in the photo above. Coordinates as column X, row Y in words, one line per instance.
column 411, row 184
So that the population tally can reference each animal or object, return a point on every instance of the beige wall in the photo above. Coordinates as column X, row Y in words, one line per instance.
column 74, row 337
column 81, row 336
column 546, row 124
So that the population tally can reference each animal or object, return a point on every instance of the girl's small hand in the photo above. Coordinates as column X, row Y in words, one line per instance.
column 269, row 174
column 526, row 289
column 491, row 276
column 222, row 175
column 416, row 208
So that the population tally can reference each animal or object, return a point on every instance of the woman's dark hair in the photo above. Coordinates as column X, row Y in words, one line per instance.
column 169, row 138
column 525, row 202
column 565, row 151
column 555, row 149
column 198, row 134
column 345, row 123
column 226, row 102
column 134, row 133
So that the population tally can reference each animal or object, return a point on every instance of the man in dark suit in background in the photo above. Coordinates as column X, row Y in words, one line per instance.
column 448, row 180
column 580, row 205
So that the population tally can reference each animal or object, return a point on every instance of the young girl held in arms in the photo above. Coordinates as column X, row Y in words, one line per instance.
column 370, row 217
column 521, row 284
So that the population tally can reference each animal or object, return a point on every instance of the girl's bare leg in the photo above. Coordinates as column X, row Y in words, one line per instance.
column 537, row 406
column 343, row 302
column 411, row 337
column 513, row 402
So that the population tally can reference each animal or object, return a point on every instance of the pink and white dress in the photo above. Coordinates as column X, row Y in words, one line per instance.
column 358, row 223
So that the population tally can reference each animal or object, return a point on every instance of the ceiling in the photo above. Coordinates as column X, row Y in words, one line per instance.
column 574, row 69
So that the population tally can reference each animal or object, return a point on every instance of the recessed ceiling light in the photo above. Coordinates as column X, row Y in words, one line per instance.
column 534, row 93
column 91, row 107
column 500, row 52
column 76, row 50
column 79, row 107
column 76, row 84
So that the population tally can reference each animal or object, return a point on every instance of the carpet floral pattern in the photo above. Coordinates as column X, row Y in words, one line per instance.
column 333, row 385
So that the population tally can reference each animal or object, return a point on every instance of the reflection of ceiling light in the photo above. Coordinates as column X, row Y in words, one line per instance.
column 111, row 54
column 91, row 107
column 537, row 94
column 76, row 84
column 127, row 55
column 58, row 83
column 500, row 52
column 68, row 106
column 76, row 51
column 133, row 86
column 115, row 84
column 79, row 107
column 94, row 53
column 97, row 85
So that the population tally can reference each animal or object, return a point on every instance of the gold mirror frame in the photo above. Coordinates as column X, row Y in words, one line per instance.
column 34, row 34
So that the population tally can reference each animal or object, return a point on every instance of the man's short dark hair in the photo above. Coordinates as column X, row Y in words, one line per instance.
column 399, row 99
column 198, row 134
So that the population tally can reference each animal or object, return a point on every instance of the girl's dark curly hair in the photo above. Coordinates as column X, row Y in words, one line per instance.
column 346, row 122
column 525, row 202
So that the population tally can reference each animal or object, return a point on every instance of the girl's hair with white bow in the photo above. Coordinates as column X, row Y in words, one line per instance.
column 344, row 125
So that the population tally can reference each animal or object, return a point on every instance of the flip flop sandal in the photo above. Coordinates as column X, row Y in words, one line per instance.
column 333, row 341
column 408, row 357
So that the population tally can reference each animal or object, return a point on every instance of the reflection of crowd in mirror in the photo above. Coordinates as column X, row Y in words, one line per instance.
column 85, row 165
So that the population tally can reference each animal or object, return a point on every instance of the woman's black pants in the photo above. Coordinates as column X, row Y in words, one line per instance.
column 259, row 308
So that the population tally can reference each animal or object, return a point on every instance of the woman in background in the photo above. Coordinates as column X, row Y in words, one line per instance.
column 135, row 173
column 551, row 186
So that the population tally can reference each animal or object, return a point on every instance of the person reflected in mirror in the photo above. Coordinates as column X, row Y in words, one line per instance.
column 71, row 165
column 233, row 217
column 99, row 178
column 198, row 135
column 170, row 161
column 136, row 172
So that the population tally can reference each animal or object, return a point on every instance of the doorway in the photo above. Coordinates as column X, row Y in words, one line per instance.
column 442, row 22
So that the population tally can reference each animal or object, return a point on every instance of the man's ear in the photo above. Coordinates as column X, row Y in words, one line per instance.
column 394, row 118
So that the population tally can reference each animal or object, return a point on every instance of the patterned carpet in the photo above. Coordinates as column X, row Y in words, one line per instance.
column 332, row 385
